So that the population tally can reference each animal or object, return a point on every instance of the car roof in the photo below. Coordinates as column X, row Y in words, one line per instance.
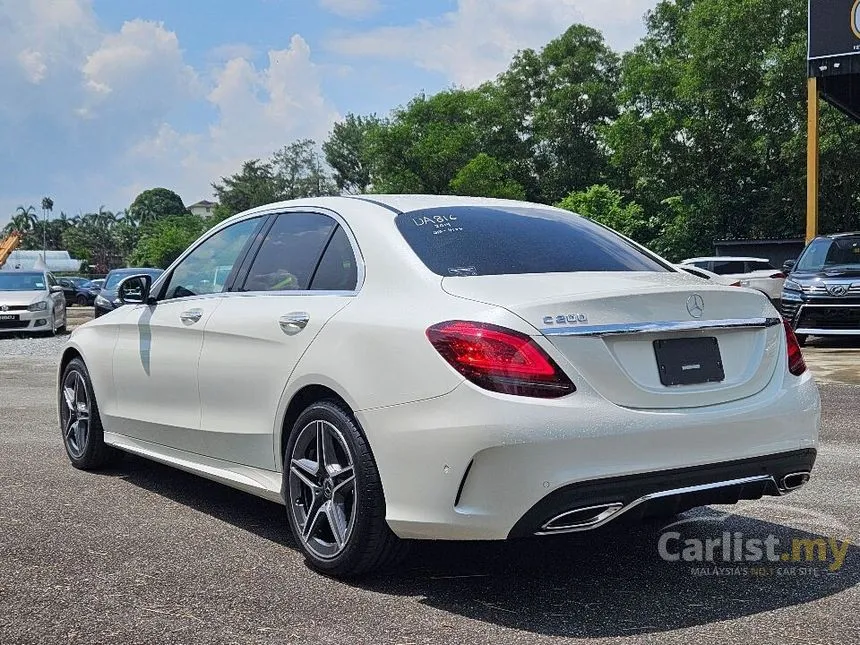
column 836, row 236
column 725, row 258
column 396, row 204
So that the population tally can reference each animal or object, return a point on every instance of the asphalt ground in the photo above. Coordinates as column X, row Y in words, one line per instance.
column 146, row 554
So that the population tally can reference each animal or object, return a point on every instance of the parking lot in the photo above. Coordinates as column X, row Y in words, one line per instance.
column 146, row 554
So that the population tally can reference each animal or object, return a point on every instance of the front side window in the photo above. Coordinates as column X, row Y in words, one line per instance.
column 202, row 271
column 290, row 253
column 474, row 241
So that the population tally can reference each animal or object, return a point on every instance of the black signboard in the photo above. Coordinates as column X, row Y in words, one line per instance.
column 834, row 28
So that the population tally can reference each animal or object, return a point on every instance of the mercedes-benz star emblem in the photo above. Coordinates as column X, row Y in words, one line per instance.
column 4, row 308
column 837, row 290
column 696, row 305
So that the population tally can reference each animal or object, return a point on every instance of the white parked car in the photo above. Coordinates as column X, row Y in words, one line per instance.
column 707, row 275
column 400, row 367
column 753, row 273
column 31, row 302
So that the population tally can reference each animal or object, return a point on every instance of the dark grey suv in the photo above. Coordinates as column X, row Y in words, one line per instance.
column 821, row 296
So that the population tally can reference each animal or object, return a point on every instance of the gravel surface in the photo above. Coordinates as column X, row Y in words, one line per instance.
column 47, row 347
column 146, row 554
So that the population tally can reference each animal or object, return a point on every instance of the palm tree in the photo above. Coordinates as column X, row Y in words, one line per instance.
column 47, row 208
column 24, row 219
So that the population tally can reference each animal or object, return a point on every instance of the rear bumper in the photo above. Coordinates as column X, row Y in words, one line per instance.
column 471, row 465
column 638, row 497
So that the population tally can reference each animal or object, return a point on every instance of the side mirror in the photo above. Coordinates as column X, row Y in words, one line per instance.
column 56, row 289
column 134, row 290
column 788, row 265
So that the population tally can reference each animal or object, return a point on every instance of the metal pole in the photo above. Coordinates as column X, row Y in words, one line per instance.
column 812, row 160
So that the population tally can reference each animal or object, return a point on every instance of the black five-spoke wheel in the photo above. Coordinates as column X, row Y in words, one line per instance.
column 333, row 494
column 322, row 489
column 75, row 415
column 80, row 424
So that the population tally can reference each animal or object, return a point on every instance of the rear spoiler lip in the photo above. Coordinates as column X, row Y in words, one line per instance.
column 632, row 329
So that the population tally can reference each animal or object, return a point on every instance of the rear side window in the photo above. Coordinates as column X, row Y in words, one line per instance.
column 760, row 266
column 290, row 252
column 725, row 268
column 337, row 270
column 471, row 241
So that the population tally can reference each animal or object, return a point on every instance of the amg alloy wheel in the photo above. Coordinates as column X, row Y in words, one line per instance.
column 79, row 419
column 333, row 493
column 75, row 414
column 322, row 489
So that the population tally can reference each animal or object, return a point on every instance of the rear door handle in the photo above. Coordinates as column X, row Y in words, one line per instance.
column 292, row 323
column 191, row 316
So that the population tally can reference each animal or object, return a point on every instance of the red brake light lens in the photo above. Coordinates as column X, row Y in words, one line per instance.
column 499, row 359
column 778, row 276
column 796, row 364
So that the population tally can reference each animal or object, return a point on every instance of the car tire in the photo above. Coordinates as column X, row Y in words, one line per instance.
column 81, row 301
column 343, row 488
column 81, row 429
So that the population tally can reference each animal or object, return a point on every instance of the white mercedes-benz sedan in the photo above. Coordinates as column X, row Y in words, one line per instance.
column 412, row 367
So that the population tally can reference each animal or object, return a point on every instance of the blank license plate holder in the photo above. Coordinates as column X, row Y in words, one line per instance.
column 689, row 361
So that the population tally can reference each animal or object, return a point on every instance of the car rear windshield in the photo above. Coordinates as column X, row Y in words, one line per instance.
column 472, row 241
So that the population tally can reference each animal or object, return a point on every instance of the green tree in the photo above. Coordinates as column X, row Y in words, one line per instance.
column 155, row 203
column 712, row 123
column 347, row 151
column 559, row 98
column 165, row 239
column 300, row 171
column 255, row 185
column 485, row 176
column 93, row 238
column 606, row 206
column 423, row 146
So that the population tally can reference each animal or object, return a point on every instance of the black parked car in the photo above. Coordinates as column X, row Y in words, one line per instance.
column 821, row 296
column 78, row 291
column 107, row 301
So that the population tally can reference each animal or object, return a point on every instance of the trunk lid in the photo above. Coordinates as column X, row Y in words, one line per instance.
column 589, row 318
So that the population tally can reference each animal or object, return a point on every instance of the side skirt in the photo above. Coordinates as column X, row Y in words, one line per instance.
column 262, row 483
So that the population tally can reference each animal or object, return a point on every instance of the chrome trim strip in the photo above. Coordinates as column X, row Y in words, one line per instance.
column 827, row 332
column 265, row 211
column 628, row 329
column 756, row 479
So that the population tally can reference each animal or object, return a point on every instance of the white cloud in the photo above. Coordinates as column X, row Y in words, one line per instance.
column 351, row 8
column 259, row 110
column 140, row 68
column 93, row 117
column 477, row 41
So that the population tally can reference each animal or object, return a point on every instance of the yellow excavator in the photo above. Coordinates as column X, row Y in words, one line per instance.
column 7, row 245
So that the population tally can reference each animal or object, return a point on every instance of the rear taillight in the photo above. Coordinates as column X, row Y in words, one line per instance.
column 736, row 284
column 499, row 359
column 778, row 275
column 796, row 364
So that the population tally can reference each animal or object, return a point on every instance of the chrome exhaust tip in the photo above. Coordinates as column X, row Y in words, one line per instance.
column 793, row 481
column 581, row 519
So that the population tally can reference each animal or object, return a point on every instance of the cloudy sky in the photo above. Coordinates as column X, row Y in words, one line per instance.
column 100, row 99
